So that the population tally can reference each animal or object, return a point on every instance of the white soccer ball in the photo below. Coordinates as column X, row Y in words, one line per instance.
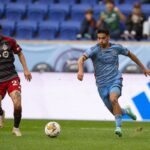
column 52, row 129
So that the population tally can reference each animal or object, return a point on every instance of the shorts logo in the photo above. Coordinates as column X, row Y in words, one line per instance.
column 5, row 54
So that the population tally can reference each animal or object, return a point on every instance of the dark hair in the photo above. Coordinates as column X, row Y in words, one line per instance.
column 89, row 11
column 102, row 30
column 110, row 1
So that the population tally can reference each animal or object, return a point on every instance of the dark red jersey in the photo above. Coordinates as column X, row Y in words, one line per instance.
column 8, row 47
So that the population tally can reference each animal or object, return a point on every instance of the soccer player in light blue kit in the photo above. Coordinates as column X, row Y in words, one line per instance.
column 104, row 56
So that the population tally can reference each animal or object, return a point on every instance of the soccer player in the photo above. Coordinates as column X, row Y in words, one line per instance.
column 9, row 79
column 104, row 56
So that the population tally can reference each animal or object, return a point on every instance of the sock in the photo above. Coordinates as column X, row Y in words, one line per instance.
column 17, row 118
column 124, row 111
column 1, row 111
column 118, row 119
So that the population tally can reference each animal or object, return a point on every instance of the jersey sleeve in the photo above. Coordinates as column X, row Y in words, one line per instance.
column 89, row 53
column 122, row 50
column 16, row 48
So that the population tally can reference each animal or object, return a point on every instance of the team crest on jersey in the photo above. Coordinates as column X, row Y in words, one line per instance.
column 114, row 52
column 5, row 54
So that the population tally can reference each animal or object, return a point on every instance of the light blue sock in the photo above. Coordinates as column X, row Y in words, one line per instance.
column 124, row 111
column 118, row 119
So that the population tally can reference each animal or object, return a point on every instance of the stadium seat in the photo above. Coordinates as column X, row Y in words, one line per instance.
column 146, row 9
column 77, row 12
column 97, row 10
column 46, row 1
column 26, row 29
column 126, row 9
column 67, row 1
column 8, row 27
column 58, row 12
column 1, row 10
column 48, row 30
column 69, row 30
column 15, row 11
column 24, row 1
column 91, row 2
column 5, row 1
column 37, row 12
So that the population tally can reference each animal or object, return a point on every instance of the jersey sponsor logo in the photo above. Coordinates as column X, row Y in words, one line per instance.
column 5, row 47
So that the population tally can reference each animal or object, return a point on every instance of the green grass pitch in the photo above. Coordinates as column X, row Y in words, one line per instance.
column 76, row 135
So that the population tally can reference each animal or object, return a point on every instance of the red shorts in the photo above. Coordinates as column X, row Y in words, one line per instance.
column 10, row 86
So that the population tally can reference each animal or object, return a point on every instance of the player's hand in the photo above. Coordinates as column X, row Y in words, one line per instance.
column 146, row 72
column 80, row 76
column 27, row 75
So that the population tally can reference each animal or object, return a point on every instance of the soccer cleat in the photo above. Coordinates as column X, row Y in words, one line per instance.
column 130, row 113
column 118, row 131
column 16, row 131
column 2, row 120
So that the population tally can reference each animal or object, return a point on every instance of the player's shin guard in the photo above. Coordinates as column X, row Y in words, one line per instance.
column 17, row 117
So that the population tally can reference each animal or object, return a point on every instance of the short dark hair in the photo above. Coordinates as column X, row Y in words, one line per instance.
column 89, row 11
column 110, row 1
column 103, row 30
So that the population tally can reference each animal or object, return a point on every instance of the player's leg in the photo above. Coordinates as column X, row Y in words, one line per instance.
column 115, row 92
column 2, row 95
column 2, row 114
column 14, row 91
column 16, row 98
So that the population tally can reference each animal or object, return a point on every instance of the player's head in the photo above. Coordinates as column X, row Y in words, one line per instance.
column 103, row 37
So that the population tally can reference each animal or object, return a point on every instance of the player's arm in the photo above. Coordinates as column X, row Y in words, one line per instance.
column 139, row 63
column 80, row 67
column 27, row 73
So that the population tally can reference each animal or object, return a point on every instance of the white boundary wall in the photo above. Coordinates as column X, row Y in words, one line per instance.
column 62, row 96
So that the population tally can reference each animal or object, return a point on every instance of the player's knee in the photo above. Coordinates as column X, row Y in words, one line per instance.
column 114, row 100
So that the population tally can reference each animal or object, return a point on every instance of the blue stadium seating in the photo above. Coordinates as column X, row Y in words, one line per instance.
column 67, row 1
column 15, row 11
column 48, row 30
column 46, row 1
column 58, row 12
column 24, row 1
column 1, row 10
column 97, row 10
column 26, row 29
column 8, row 27
column 69, row 30
column 91, row 2
column 37, row 12
column 126, row 9
column 5, row 1
column 146, row 9
column 78, row 11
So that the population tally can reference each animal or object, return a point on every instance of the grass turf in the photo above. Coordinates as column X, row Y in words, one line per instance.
column 76, row 135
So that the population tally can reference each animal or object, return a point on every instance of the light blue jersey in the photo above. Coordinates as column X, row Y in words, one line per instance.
column 106, row 65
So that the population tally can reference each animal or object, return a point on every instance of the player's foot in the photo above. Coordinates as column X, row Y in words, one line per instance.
column 130, row 113
column 118, row 131
column 2, row 120
column 16, row 131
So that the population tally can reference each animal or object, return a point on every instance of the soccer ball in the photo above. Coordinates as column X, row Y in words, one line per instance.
column 52, row 129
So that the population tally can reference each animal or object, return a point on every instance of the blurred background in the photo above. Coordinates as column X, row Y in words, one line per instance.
column 53, row 35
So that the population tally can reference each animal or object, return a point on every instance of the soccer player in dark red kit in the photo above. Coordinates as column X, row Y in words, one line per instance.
column 9, row 79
